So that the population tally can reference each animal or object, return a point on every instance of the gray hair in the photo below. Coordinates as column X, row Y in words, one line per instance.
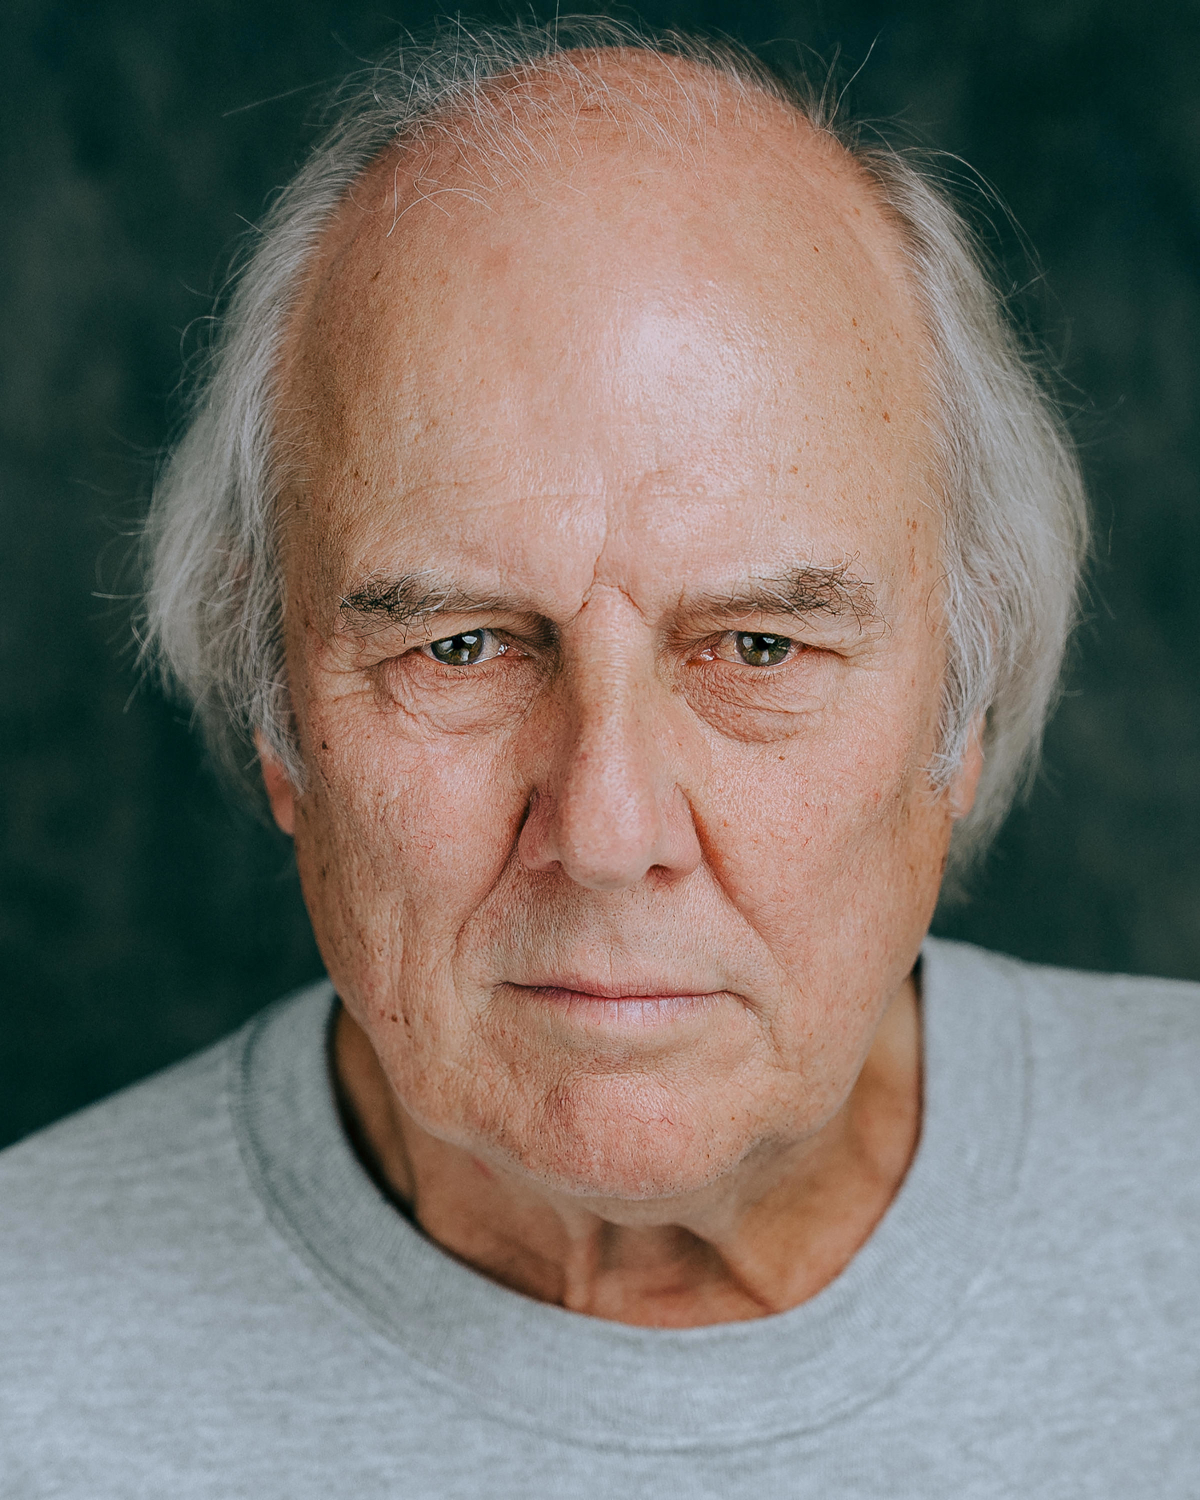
column 1014, row 521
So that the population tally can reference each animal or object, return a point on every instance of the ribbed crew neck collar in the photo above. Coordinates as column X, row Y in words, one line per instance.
column 585, row 1379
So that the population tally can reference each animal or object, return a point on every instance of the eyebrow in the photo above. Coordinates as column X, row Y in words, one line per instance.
column 415, row 597
column 800, row 592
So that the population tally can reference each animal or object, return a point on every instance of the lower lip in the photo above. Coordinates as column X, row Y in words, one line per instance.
column 624, row 1012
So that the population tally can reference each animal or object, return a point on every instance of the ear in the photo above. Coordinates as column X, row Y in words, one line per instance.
column 965, row 784
column 280, row 792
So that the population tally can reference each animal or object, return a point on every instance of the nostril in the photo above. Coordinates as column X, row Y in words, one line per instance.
column 536, row 846
column 603, row 848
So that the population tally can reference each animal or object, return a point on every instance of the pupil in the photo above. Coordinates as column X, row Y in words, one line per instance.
column 459, row 650
column 758, row 650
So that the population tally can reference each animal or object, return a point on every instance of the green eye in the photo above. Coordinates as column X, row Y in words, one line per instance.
column 758, row 650
column 459, row 650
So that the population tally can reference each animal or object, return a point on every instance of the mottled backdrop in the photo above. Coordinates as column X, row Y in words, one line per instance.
column 142, row 916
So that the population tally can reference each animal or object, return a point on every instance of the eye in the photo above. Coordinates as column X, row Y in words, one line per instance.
column 759, row 650
column 466, row 648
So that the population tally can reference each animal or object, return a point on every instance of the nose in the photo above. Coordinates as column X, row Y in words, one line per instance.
column 609, row 809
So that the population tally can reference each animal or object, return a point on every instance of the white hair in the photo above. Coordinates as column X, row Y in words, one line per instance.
column 1014, row 514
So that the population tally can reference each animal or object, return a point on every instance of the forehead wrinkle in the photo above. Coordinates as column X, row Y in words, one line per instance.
column 335, row 342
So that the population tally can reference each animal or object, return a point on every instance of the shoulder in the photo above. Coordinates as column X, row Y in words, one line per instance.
column 135, row 1171
column 145, row 1298
column 1112, row 1063
column 99, row 1163
column 1127, row 1021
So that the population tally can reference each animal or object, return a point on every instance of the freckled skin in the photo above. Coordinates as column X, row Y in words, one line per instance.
column 604, row 396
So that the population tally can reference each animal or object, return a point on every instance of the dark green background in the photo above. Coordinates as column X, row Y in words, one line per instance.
column 140, row 915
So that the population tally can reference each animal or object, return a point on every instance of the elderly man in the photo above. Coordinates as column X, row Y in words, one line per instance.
column 642, row 557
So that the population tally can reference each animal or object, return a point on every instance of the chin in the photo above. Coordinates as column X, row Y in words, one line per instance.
column 619, row 1140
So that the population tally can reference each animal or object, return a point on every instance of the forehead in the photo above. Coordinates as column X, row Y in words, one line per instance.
column 605, row 332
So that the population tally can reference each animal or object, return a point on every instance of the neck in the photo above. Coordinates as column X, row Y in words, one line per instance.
column 782, row 1227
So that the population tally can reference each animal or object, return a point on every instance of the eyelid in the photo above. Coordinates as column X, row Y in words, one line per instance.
column 709, row 630
column 450, row 635
column 531, row 635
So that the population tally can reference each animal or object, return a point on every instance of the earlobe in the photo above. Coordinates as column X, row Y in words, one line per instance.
column 966, row 779
column 280, row 792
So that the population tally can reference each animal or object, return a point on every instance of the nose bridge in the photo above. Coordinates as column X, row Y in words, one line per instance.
column 609, row 774
column 611, row 808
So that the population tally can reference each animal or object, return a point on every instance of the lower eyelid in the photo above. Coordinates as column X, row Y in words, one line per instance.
column 713, row 653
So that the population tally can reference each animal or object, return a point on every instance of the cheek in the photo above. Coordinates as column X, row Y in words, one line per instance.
column 830, row 831
column 397, row 844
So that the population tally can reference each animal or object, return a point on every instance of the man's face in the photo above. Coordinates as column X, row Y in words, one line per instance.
column 615, row 640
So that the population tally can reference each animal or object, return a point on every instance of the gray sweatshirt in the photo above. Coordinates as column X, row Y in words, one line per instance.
column 203, row 1294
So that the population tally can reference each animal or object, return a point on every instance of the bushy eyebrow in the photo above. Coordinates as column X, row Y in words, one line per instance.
column 415, row 597
column 800, row 592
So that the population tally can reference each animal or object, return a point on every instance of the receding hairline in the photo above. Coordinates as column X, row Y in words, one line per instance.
column 483, row 148
column 517, row 128
column 514, row 119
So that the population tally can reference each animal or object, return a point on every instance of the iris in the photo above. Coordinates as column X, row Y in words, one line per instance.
column 758, row 650
column 459, row 650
